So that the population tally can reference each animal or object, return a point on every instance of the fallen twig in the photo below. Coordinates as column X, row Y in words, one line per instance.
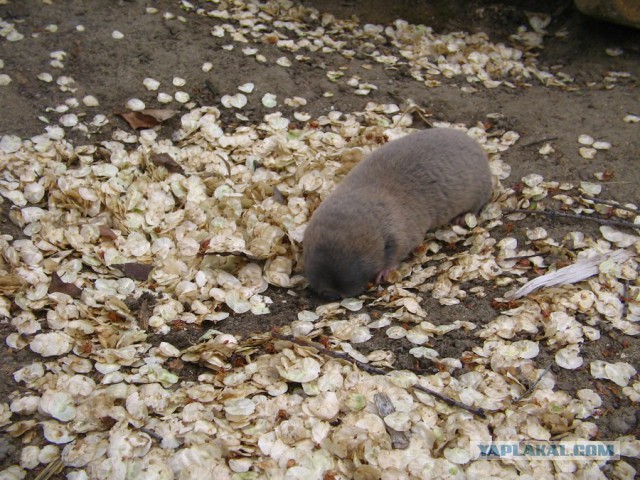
column 625, row 299
column 534, row 385
column 450, row 401
column 152, row 434
column 376, row 371
column 523, row 257
column 610, row 203
column 330, row 353
column 537, row 142
column 554, row 213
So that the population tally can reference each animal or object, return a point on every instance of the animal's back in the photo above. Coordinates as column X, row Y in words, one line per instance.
column 434, row 174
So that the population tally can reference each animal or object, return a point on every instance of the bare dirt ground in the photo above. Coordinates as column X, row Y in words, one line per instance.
column 162, row 48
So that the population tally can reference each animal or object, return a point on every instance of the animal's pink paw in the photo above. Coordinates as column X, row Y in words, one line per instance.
column 384, row 275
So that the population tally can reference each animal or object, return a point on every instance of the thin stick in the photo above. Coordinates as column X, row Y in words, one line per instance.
column 376, row 371
column 342, row 356
column 450, row 401
column 536, row 142
column 535, row 384
column 152, row 434
column 522, row 257
column 553, row 213
column 624, row 298
column 611, row 204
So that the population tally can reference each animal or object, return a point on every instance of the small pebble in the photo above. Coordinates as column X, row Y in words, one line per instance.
column 585, row 139
column 135, row 104
column 90, row 101
column 45, row 77
column 614, row 52
column 151, row 83
column 182, row 97
column 164, row 98
column 587, row 153
column 69, row 120
column 601, row 145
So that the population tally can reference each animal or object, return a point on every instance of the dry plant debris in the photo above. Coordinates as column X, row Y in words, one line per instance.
column 140, row 234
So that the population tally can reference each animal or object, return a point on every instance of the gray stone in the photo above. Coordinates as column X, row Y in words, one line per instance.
column 625, row 12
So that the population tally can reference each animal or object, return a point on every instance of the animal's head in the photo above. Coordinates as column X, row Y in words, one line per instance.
column 338, row 266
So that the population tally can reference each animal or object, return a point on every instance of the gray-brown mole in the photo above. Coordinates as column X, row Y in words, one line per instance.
column 386, row 204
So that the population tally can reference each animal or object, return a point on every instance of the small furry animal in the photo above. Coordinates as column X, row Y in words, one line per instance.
column 385, row 205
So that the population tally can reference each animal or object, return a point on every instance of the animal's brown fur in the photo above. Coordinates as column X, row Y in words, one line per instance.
column 385, row 205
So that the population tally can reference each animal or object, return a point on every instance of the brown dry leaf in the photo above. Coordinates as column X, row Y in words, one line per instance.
column 139, row 120
column 160, row 114
column 165, row 160
column 148, row 118
column 278, row 196
column 135, row 271
column 10, row 284
column 106, row 232
column 58, row 286
column 385, row 407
